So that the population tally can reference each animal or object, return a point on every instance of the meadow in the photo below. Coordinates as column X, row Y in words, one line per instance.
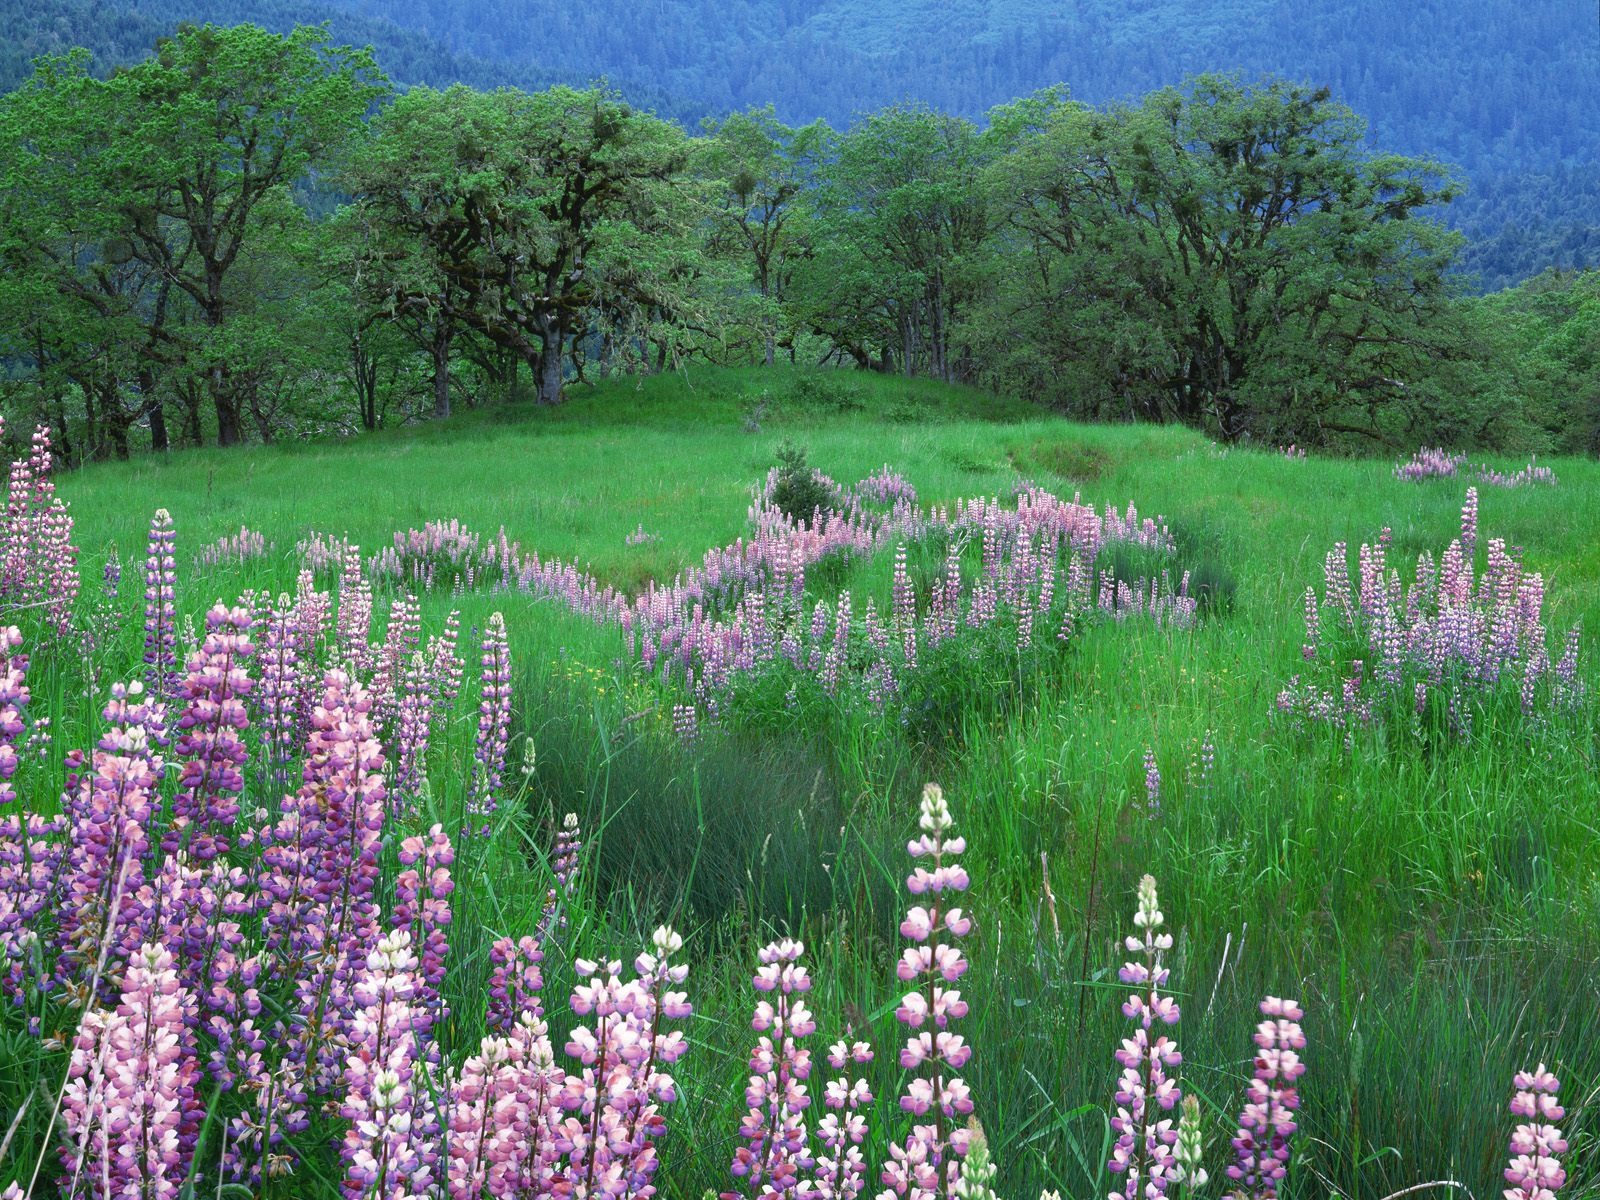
column 1423, row 879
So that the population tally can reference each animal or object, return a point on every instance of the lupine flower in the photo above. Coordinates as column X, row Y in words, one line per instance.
column 129, row 1108
column 390, row 1148
column 426, row 916
column 14, row 697
column 977, row 1168
column 841, row 1171
column 927, row 1164
column 1143, row 1151
column 1190, row 1150
column 613, row 1103
column 1267, row 1119
column 1535, row 1171
column 1152, row 784
column 160, row 613
column 774, row 1129
column 213, row 690
column 564, row 866
column 494, row 719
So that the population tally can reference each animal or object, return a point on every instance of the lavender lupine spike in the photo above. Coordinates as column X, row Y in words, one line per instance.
column 414, row 726
column 1143, row 1153
column 927, row 1165
column 129, row 1107
column 14, row 697
column 110, row 808
column 564, row 865
column 387, row 1150
column 494, row 720
column 774, row 1129
column 206, row 806
column 279, row 700
column 160, row 612
column 613, row 1102
column 354, row 623
column 841, row 1171
column 1267, row 1119
column 1535, row 1171
column 514, row 982
column 422, row 905
column 1152, row 784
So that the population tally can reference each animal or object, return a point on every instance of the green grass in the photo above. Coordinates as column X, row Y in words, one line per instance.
column 1437, row 909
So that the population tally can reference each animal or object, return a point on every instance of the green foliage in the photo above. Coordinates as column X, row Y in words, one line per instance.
column 799, row 490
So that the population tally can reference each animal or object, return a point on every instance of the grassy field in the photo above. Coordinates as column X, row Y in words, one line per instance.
column 1435, row 905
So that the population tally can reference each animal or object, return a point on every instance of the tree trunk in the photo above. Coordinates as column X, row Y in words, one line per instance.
column 550, row 373
column 229, row 432
column 440, row 349
column 157, row 411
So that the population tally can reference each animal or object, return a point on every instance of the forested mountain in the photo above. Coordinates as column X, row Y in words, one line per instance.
column 125, row 31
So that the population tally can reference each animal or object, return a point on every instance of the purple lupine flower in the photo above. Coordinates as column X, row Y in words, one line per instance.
column 927, row 1164
column 1469, row 521
column 494, row 720
column 514, row 982
column 207, row 802
column 389, row 1151
column 110, row 809
column 160, row 612
column 1267, row 1119
column 129, row 1107
column 444, row 662
column 1535, row 1171
column 426, row 916
column 279, row 700
column 1145, row 1139
column 14, row 697
column 1152, row 784
column 564, row 865
column 774, row 1129
column 31, row 852
column 414, row 721
column 354, row 627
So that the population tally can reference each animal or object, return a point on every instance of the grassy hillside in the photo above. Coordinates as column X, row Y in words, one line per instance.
column 1433, row 902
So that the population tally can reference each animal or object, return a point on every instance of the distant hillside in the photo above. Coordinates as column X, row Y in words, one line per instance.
column 119, row 33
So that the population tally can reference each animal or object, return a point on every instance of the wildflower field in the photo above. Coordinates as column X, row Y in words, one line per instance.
column 520, row 806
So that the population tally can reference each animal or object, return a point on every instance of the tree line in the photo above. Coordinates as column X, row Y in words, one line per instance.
column 250, row 235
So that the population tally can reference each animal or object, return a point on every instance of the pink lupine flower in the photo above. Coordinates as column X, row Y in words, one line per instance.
column 426, row 916
column 390, row 1149
column 1535, row 1171
column 613, row 1103
column 926, row 1165
column 414, row 726
column 1267, row 1119
column 1145, row 1139
column 354, row 628
column 841, row 1171
column 129, row 1108
column 775, row 1152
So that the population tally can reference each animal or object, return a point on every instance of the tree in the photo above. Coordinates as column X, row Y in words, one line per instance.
column 497, row 209
column 218, row 124
column 898, row 203
column 760, row 168
column 1226, row 255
